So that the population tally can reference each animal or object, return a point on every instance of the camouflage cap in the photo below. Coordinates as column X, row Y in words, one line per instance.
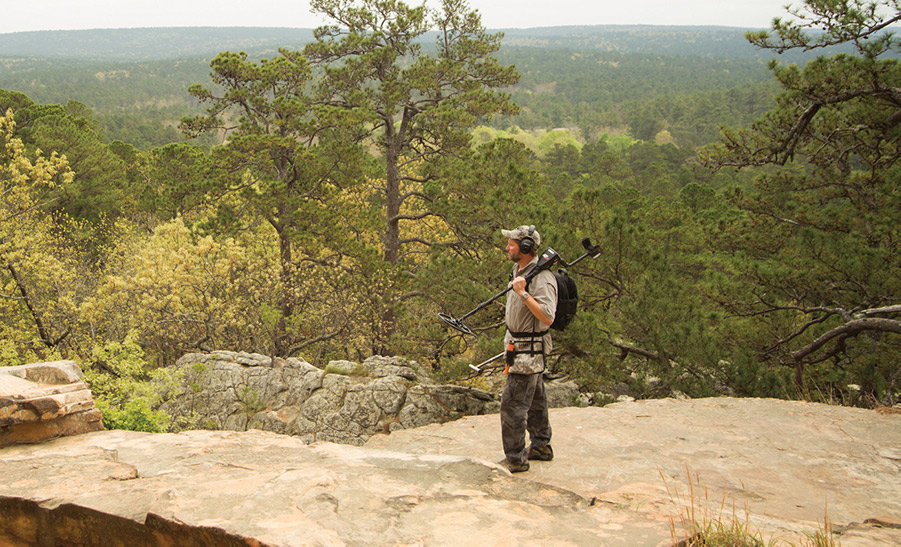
column 519, row 233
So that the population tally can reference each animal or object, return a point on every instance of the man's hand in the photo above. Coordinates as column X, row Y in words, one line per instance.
column 519, row 285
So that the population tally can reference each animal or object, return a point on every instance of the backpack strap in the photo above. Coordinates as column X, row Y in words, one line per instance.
column 529, row 334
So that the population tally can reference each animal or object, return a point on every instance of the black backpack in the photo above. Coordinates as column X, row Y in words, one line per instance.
column 567, row 299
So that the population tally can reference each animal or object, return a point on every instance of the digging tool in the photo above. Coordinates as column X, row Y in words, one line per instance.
column 547, row 259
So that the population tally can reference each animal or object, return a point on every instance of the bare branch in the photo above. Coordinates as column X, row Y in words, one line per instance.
column 797, row 333
column 851, row 328
column 294, row 349
column 876, row 311
column 42, row 330
column 426, row 197
column 420, row 216
column 626, row 349
column 426, row 242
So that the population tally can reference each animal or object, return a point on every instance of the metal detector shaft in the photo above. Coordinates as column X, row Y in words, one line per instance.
column 478, row 368
column 594, row 251
column 484, row 304
column 547, row 259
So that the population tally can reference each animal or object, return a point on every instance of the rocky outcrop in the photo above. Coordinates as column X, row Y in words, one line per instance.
column 346, row 402
column 624, row 474
column 780, row 467
column 259, row 488
column 41, row 401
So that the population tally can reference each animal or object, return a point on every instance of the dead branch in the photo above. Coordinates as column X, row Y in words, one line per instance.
column 42, row 330
column 851, row 328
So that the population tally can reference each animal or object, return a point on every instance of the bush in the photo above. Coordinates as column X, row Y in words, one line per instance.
column 123, row 386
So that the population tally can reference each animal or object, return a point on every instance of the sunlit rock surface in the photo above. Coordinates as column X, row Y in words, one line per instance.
column 620, row 477
column 45, row 400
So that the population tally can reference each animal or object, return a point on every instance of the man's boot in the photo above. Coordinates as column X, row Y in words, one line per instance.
column 514, row 467
column 543, row 453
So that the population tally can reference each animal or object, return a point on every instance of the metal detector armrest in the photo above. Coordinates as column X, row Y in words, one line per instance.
column 547, row 259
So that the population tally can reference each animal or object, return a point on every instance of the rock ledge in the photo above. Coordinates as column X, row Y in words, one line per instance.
column 45, row 400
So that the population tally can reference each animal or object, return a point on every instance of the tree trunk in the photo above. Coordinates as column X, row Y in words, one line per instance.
column 392, row 232
column 286, row 305
column 392, row 205
column 799, row 378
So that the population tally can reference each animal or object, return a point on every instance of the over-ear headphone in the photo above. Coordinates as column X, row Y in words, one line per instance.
column 527, row 244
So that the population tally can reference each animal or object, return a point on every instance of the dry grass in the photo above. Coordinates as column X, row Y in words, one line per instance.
column 711, row 522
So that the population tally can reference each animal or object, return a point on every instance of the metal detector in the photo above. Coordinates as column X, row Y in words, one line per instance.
column 478, row 368
column 547, row 259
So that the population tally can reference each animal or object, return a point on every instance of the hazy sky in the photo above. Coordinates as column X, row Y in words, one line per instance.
column 24, row 15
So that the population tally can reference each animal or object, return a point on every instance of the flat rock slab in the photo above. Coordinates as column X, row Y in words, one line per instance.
column 620, row 477
column 785, row 465
column 252, row 488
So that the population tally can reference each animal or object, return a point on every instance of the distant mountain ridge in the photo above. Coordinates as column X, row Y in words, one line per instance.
column 701, row 41
column 148, row 44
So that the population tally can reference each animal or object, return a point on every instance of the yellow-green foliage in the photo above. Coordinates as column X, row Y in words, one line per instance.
column 617, row 143
column 125, row 390
column 556, row 137
column 541, row 142
column 483, row 134
column 39, row 280
column 188, row 292
column 181, row 291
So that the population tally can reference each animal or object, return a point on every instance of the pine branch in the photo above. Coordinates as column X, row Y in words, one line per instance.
column 851, row 328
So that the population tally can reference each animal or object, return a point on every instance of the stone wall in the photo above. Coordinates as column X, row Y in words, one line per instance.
column 347, row 402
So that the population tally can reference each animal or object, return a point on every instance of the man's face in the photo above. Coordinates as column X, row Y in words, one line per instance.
column 513, row 251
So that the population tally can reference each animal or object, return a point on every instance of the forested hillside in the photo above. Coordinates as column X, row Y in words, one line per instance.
column 590, row 79
column 330, row 198
column 148, row 44
column 588, row 92
column 143, row 44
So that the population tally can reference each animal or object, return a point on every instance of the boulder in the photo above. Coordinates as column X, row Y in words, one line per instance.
column 41, row 401
column 562, row 392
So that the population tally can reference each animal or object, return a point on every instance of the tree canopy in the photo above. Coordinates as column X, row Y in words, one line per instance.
column 823, row 253
column 419, row 105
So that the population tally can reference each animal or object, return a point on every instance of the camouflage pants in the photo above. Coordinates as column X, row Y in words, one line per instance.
column 524, row 408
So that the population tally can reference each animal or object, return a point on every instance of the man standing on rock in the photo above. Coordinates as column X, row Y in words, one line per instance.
column 530, row 311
